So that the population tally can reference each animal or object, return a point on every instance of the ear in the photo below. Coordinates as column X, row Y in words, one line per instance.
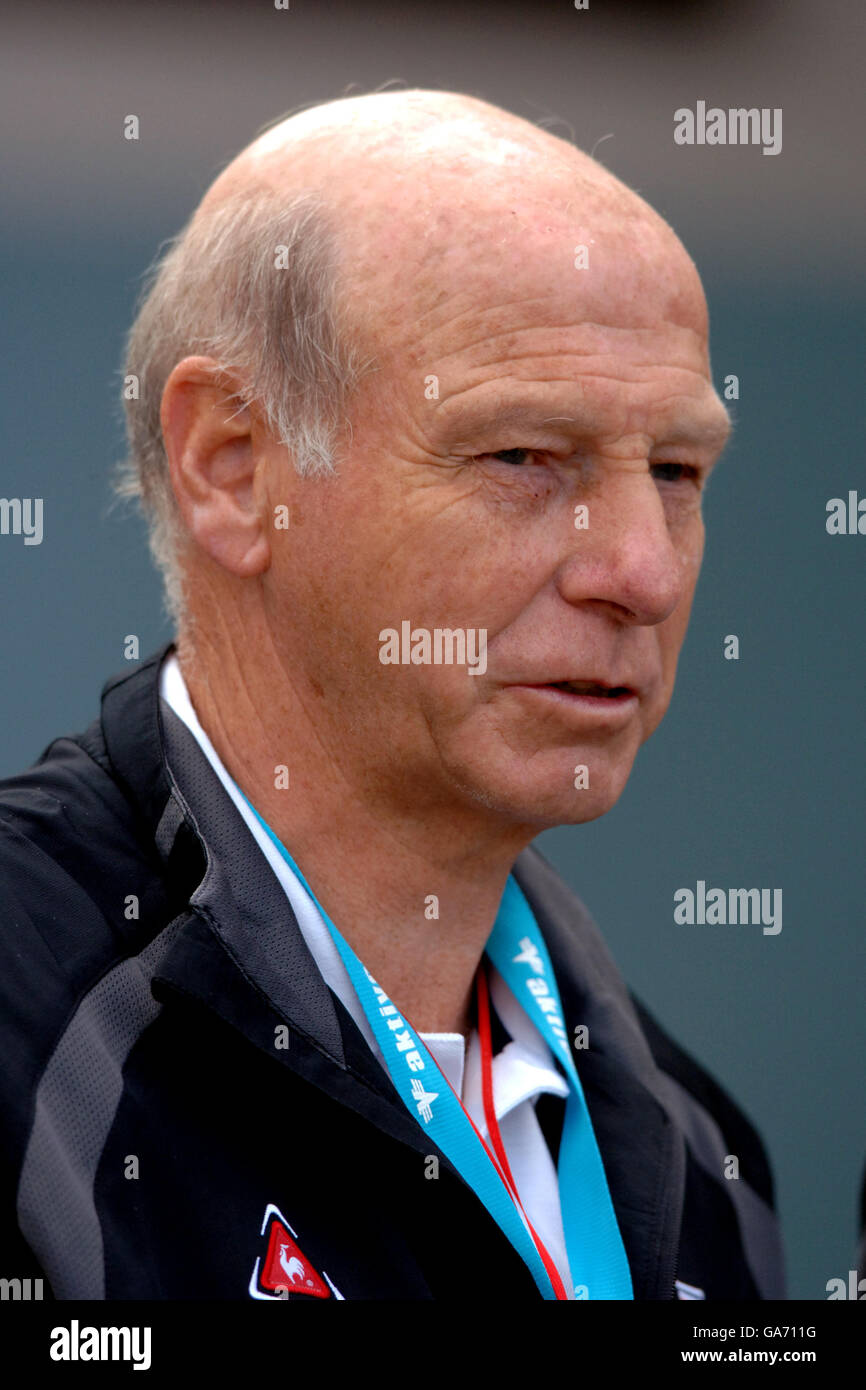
column 215, row 472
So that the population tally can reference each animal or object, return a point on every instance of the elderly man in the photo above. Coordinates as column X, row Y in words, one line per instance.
column 421, row 413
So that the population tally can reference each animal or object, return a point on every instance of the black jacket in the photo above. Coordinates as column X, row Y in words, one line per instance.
column 151, row 1133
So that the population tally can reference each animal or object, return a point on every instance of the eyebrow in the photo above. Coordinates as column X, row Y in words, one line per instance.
column 711, row 428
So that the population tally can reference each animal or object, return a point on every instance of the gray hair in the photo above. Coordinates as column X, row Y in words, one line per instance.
column 253, row 285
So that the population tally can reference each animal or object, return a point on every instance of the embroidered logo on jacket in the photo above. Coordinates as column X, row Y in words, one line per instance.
column 285, row 1271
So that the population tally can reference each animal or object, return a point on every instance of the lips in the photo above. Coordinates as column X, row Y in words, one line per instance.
column 598, row 689
column 582, row 703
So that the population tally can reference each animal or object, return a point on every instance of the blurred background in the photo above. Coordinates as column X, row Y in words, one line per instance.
column 755, row 779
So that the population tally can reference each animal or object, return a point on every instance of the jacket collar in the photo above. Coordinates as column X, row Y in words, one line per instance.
column 264, row 962
column 130, row 727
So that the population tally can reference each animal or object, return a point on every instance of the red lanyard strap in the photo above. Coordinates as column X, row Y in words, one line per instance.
column 484, row 1033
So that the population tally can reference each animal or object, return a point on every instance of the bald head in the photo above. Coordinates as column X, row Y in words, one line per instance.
column 402, row 134
column 430, row 188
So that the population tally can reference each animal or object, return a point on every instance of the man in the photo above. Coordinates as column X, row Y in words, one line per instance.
column 292, row 1010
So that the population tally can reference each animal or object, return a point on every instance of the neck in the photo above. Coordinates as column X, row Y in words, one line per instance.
column 416, row 897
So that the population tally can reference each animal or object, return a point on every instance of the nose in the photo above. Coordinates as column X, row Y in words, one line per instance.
column 627, row 556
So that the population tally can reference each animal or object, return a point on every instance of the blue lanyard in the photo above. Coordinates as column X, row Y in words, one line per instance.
column 596, row 1255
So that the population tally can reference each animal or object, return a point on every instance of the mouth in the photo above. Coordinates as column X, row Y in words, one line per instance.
column 609, row 706
column 595, row 689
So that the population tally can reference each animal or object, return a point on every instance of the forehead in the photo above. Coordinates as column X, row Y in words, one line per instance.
column 472, row 260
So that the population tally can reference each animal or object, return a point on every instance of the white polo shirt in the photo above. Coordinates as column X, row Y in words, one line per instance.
column 521, row 1072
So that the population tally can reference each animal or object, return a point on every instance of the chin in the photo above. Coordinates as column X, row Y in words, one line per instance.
column 545, row 801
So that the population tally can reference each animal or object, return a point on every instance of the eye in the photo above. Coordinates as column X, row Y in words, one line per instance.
column 513, row 456
column 675, row 472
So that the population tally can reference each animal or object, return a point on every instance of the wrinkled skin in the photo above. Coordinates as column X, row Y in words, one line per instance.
column 457, row 262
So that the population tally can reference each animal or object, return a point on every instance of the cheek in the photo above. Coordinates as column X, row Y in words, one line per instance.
column 690, row 552
column 670, row 640
column 670, row 634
